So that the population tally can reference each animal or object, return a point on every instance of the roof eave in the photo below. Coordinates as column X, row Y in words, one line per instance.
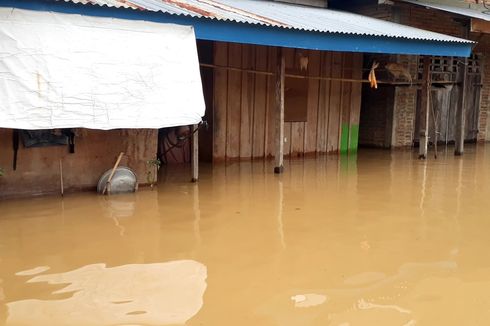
column 227, row 31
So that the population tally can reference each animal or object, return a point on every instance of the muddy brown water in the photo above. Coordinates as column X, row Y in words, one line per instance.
column 378, row 239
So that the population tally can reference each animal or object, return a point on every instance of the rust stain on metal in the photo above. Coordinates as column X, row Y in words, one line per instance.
column 132, row 5
column 187, row 6
column 245, row 13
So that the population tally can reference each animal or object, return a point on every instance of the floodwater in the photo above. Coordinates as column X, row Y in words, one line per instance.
column 379, row 239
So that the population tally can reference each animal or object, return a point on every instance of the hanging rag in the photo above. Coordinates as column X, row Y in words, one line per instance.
column 372, row 75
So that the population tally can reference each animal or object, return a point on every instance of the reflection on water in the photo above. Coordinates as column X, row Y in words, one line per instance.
column 117, row 209
column 378, row 239
column 151, row 294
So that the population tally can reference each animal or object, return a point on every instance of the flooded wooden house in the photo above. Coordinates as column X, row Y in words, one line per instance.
column 323, row 52
column 279, row 79
column 75, row 97
column 460, row 92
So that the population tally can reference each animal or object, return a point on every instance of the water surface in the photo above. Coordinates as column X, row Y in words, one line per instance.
column 378, row 239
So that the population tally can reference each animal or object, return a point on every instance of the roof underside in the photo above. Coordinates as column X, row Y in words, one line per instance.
column 462, row 8
column 282, row 15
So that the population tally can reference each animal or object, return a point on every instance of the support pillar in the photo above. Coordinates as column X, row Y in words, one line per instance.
column 461, row 110
column 195, row 153
column 424, row 109
column 279, row 114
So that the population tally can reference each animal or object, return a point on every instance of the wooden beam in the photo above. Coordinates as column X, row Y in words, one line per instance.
column 195, row 153
column 460, row 110
column 424, row 109
column 480, row 26
column 352, row 80
column 279, row 108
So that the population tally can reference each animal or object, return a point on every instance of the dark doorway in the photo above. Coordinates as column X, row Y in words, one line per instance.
column 375, row 127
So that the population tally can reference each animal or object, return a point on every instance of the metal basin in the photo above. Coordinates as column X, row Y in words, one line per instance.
column 123, row 181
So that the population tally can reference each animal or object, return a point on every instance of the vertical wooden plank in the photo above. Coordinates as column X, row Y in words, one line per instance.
column 287, row 138
column 206, row 135
column 346, row 102
column 298, row 128
column 453, row 107
column 334, row 100
column 195, row 153
column 355, row 108
column 297, row 138
column 313, row 92
column 303, row 124
column 246, row 118
column 234, row 102
column 424, row 109
column 269, row 141
column 279, row 95
column 289, row 56
column 290, row 61
column 220, row 101
column 322, row 112
column 328, row 87
column 260, row 98
column 460, row 110
column 472, row 107
column 251, row 96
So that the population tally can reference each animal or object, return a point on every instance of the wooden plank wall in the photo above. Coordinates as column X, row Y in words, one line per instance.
column 244, row 102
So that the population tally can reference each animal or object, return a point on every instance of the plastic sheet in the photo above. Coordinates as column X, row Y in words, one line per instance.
column 67, row 71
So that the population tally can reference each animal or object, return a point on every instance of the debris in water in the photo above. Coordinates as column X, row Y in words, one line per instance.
column 308, row 300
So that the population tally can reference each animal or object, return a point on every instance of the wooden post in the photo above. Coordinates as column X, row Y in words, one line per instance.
column 460, row 110
column 107, row 186
column 280, row 71
column 424, row 109
column 195, row 153
column 61, row 179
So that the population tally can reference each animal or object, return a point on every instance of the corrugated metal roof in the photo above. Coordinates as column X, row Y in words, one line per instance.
column 282, row 15
column 456, row 7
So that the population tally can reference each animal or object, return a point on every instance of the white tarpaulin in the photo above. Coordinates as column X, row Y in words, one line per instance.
column 67, row 71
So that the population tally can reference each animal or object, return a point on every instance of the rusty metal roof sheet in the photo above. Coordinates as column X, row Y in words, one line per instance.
column 456, row 7
column 281, row 15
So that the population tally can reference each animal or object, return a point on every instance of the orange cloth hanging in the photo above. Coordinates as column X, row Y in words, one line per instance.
column 372, row 75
